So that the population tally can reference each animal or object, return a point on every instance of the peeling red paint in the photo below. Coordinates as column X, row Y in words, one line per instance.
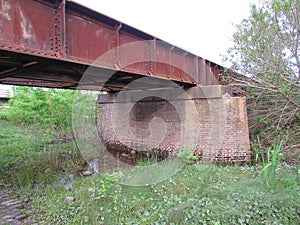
column 27, row 29
column 5, row 10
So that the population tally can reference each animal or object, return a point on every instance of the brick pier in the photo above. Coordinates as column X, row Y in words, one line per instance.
column 204, row 118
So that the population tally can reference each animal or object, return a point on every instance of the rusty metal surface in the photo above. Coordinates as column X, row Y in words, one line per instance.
column 52, row 42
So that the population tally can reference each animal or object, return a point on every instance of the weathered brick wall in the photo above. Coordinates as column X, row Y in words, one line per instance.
column 216, row 129
column 224, row 135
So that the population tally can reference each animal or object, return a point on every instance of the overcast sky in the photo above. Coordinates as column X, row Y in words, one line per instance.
column 202, row 27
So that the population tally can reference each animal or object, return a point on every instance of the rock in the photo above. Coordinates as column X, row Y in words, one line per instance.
column 124, row 155
column 13, row 211
column 7, row 217
column 11, row 202
column 25, row 200
column 62, row 180
column 133, row 152
column 69, row 198
column 68, row 186
column 47, row 170
column 15, row 222
column 20, row 216
column 87, row 173
column 71, row 177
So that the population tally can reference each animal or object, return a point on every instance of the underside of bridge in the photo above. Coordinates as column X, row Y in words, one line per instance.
column 54, row 46
column 59, row 43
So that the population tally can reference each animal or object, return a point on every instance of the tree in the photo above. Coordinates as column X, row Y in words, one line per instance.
column 267, row 51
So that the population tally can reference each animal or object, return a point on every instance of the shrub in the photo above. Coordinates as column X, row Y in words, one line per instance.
column 187, row 155
column 41, row 106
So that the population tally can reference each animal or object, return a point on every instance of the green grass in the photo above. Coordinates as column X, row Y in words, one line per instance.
column 218, row 195
column 28, row 155
column 197, row 194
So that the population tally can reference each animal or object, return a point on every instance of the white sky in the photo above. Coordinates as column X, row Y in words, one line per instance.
column 202, row 27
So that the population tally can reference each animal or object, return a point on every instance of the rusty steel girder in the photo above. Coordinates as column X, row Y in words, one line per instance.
column 52, row 43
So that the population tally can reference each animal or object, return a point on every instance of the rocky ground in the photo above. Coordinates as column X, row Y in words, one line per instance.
column 14, row 211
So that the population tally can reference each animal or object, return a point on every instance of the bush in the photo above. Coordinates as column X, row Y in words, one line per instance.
column 187, row 155
column 51, row 108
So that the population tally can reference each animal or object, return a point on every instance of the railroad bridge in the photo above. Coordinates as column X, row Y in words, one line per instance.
column 158, row 96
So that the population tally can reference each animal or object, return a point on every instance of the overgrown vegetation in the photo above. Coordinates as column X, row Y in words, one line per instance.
column 40, row 161
column 266, row 50
column 270, row 161
column 48, row 170
column 43, row 107
column 31, row 155
column 216, row 195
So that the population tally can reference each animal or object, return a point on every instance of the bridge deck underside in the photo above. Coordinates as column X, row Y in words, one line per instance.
column 56, row 45
column 27, row 70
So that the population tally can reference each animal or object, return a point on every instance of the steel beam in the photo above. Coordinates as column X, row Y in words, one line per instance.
column 72, row 35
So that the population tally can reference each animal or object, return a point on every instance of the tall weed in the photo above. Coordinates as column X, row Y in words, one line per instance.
column 270, row 159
